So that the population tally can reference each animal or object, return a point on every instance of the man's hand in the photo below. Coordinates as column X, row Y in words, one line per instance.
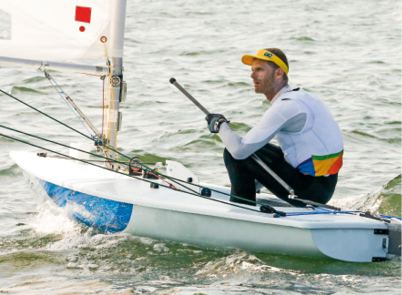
column 215, row 121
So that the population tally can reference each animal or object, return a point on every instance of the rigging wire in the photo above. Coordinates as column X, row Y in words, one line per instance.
column 71, row 128
column 65, row 125
column 46, row 115
column 58, row 143
column 62, row 95
column 131, row 176
column 158, row 174
column 92, row 154
column 108, row 147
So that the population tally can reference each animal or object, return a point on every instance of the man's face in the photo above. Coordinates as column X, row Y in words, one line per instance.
column 263, row 76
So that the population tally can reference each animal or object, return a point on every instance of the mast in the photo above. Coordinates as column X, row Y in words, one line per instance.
column 115, row 77
column 72, row 32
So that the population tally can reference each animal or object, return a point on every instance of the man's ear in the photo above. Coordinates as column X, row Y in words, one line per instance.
column 279, row 73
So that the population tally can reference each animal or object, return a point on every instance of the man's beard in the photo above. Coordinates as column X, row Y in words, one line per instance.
column 267, row 85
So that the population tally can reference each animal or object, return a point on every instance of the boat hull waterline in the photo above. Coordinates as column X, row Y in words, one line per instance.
column 117, row 203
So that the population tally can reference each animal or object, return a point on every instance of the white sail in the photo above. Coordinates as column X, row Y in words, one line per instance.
column 57, row 29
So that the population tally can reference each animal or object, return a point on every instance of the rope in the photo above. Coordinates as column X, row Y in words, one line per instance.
column 65, row 125
column 99, row 156
column 89, row 153
column 57, row 143
column 354, row 212
column 317, row 212
column 131, row 176
column 175, row 180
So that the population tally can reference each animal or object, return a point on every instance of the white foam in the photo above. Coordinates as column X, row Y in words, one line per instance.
column 53, row 220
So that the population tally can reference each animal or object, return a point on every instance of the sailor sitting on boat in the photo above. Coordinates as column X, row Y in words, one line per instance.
column 311, row 148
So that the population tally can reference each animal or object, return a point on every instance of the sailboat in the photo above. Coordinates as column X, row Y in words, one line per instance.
column 126, row 195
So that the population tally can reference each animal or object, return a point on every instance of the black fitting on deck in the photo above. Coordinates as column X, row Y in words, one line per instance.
column 206, row 192
column 270, row 210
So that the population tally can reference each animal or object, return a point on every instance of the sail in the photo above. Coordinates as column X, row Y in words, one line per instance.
column 56, row 29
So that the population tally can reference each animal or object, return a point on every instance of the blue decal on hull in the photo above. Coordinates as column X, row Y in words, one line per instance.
column 107, row 215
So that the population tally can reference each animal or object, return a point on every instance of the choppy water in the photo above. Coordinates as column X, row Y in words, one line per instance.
column 346, row 52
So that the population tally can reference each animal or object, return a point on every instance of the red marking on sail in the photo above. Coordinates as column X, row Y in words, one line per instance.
column 83, row 14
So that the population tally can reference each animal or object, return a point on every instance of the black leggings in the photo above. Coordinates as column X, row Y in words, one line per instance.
column 243, row 173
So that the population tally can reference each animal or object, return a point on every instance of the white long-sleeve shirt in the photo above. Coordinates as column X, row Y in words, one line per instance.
column 307, row 133
column 288, row 116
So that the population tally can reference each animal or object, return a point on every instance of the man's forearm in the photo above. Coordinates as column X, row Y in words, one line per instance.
column 235, row 144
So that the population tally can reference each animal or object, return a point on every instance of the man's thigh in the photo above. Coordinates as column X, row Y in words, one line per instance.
column 318, row 189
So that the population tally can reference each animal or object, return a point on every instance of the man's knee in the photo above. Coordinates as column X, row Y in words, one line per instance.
column 270, row 153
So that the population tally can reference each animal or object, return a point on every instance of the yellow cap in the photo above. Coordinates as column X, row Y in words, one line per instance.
column 265, row 55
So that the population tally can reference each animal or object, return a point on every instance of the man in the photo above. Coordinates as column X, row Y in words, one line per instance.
column 311, row 148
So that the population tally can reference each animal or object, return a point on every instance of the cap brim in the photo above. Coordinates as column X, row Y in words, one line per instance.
column 248, row 59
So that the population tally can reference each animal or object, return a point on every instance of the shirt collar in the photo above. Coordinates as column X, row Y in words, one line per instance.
column 283, row 90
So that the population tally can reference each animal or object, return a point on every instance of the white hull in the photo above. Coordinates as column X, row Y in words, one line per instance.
column 115, row 202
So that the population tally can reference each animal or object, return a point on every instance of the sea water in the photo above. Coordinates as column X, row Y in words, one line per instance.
column 348, row 53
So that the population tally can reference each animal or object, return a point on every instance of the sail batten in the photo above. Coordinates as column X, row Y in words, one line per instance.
column 56, row 30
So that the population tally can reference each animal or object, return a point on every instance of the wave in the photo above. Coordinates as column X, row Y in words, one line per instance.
column 384, row 200
column 19, row 89
column 10, row 170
